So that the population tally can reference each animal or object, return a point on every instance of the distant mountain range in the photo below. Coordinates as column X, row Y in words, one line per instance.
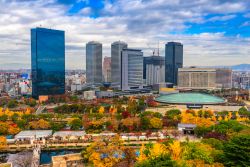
column 239, row 67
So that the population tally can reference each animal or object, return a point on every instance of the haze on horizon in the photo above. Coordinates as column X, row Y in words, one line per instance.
column 213, row 32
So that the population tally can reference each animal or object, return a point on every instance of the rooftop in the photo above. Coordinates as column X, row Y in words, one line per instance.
column 33, row 134
column 190, row 98
column 69, row 133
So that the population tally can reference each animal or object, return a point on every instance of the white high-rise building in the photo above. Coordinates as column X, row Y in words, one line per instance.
column 116, row 50
column 94, row 62
column 131, row 69
column 153, row 70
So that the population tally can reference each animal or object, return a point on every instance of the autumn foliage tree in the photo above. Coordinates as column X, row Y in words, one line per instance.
column 40, row 124
column 105, row 152
column 3, row 142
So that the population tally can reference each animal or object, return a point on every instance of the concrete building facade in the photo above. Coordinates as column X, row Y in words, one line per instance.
column 204, row 78
column 93, row 62
column 153, row 70
column 131, row 69
column 107, row 69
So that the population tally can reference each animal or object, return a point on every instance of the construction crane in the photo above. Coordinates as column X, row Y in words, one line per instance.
column 153, row 49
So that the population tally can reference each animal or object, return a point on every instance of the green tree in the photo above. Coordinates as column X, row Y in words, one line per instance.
column 55, row 126
column 12, row 104
column 14, row 117
column 75, row 124
column 21, row 123
column 201, row 130
column 4, row 117
column 215, row 143
column 237, row 151
column 173, row 114
column 225, row 127
column 198, row 151
column 161, row 161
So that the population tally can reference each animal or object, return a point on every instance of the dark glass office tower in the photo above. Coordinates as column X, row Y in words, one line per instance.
column 47, row 62
column 173, row 61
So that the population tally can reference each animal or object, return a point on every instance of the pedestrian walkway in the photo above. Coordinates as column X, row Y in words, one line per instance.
column 36, row 156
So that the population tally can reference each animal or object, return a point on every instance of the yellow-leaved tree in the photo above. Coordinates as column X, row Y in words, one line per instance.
column 105, row 152
column 175, row 150
column 142, row 157
column 157, row 150
column 101, row 110
column 3, row 142
column 156, row 123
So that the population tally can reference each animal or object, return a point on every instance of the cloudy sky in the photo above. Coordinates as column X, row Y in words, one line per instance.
column 213, row 32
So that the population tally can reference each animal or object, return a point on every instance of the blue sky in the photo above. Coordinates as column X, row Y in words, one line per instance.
column 214, row 32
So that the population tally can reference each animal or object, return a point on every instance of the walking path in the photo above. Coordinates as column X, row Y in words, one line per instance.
column 36, row 156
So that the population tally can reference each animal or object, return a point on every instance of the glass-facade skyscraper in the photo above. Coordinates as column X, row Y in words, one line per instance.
column 47, row 62
column 116, row 52
column 94, row 62
column 173, row 61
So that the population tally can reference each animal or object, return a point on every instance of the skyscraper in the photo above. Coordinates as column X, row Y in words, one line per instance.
column 131, row 69
column 94, row 62
column 47, row 62
column 153, row 70
column 107, row 69
column 116, row 50
column 173, row 61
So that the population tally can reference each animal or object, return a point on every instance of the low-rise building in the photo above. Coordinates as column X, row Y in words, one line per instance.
column 69, row 135
column 204, row 78
column 33, row 135
column 89, row 95
column 72, row 160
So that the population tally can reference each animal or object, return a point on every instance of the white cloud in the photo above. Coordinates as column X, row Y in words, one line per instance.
column 138, row 22
column 222, row 18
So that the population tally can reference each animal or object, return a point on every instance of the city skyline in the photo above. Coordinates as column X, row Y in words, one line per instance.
column 210, row 35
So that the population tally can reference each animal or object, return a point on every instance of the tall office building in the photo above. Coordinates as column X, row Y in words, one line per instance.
column 131, row 69
column 94, row 62
column 107, row 69
column 153, row 70
column 116, row 50
column 173, row 61
column 47, row 62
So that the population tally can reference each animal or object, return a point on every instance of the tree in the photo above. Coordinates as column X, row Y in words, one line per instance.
column 101, row 110
column 56, row 126
column 40, row 124
column 198, row 151
column 4, row 117
column 237, row 151
column 105, row 152
column 3, row 128
column 160, row 161
column 3, row 142
column 217, row 144
column 12, row 104
column 225, row 127
column 156, row 123
column 175, row 150
column 201, row 130
column 173, row 114
column 132, row 107
column 75, row 124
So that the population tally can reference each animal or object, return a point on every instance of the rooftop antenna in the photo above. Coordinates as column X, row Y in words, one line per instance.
column 153, row 50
